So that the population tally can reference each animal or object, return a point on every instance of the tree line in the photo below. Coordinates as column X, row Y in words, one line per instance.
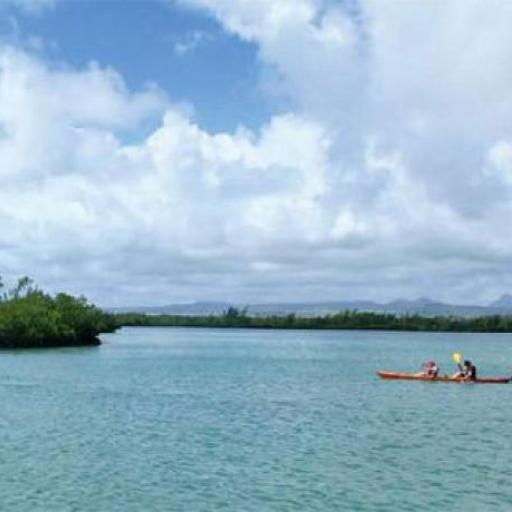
column 234, row 317
column 30, row 317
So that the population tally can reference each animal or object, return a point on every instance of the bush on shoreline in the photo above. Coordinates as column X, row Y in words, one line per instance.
column 30, row 318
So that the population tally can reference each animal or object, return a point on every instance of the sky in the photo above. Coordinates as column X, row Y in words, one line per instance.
column 164, row 151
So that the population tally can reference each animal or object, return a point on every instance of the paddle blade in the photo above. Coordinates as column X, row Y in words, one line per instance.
column 457, row 357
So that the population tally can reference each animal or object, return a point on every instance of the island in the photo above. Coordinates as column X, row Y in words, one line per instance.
column 31, row 318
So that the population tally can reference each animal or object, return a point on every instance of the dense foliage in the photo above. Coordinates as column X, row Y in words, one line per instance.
column 32, row 318
column 342, row 320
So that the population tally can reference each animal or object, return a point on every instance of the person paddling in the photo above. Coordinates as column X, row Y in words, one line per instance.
column 465, row 371
column 469, row 370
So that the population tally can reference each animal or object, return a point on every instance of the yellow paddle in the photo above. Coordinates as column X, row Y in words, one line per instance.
column 457, row 357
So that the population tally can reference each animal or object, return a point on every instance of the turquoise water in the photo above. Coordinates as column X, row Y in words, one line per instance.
column 238, row 420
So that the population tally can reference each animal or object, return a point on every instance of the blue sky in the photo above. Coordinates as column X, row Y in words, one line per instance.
column 215, row 72
column 179, row 150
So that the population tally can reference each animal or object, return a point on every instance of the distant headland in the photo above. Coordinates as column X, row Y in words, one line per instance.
column 422, row 306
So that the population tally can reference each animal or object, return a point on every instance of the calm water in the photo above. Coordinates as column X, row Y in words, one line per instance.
column 211, row 420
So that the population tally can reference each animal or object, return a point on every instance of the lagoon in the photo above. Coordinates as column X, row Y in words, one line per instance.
column 176, row 419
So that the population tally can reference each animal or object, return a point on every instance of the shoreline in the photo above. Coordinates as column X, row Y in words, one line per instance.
column 343, row 321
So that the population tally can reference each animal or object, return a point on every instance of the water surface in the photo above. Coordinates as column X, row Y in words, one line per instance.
column 166, row 419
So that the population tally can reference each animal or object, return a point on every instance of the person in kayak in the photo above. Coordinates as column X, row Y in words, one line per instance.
column 429, row 369
column 469, row 370
column 465, row 372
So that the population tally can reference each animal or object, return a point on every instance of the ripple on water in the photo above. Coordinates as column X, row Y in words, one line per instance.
column 201, row 420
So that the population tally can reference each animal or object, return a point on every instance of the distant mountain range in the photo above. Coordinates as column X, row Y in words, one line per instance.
column 422, row 306
column 504, row 302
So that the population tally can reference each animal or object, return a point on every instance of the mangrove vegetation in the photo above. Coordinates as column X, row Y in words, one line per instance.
column 30, row 318
column 234, row 317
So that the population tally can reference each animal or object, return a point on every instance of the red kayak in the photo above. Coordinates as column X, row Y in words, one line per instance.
column 442, row 378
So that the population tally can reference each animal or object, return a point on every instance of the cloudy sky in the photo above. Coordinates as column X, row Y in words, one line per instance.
column 164, row 151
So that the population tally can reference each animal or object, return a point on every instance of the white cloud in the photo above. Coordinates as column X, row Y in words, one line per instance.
column 389, row 176
column 260, row 19
column 427, row 85
column 191, row 42
column 83, row 201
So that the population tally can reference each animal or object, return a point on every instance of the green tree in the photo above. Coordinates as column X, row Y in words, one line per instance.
column 31, row 318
